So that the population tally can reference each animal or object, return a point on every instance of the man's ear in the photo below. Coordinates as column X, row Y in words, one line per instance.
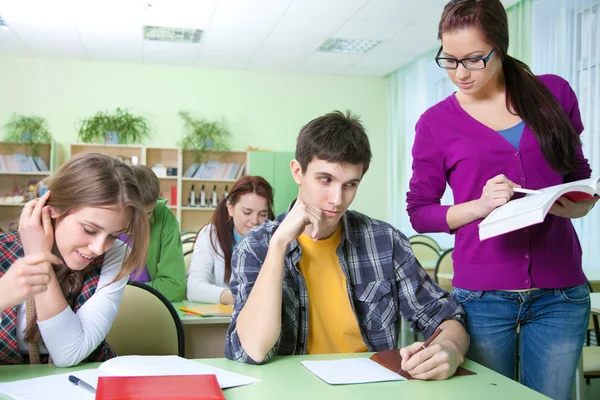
column 296, row 171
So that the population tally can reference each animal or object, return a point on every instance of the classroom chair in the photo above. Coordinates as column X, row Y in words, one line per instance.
column 188, row 250
column 146, row 324
column 426, row 255
column 427, row 240
column 188, row 236
column 444, row 266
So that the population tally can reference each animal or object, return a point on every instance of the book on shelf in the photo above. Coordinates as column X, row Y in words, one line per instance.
column 533, row 208
column 21, row 162
column 41, row 164
column 240, row 171
column 189, row 173
column 215, row 170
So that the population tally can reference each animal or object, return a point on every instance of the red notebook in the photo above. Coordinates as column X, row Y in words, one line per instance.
column 172, row 387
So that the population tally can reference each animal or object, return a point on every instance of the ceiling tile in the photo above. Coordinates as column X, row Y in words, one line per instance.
column 179, row 13
column 307, row 26
column 395, row 11
column 292, row 53
column 333, row 9
column 274, row 63
column 367, row 30
column 264, row 7
column 282, row 42
column 243, row 22
column 234, row 38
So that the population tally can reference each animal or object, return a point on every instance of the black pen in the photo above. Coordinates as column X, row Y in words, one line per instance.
column 75, row 380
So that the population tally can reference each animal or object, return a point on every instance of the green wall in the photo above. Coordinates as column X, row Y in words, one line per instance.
column 262, row 109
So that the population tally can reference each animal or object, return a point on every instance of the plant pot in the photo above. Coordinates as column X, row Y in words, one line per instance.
column 111, row 137
column 209, row 143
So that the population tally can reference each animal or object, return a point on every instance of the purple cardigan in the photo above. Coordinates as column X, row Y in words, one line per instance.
column 451, row 146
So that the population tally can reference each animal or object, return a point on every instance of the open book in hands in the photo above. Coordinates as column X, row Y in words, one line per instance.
column 532, row 208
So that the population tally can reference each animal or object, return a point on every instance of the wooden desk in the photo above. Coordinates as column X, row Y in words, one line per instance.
column 285, row 378
column 204, row 336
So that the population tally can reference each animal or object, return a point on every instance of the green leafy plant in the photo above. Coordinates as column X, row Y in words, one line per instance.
column 28, row 129
column 129, row 128
column 204, row 135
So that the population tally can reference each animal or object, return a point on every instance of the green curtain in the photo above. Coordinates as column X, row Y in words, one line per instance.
column 519, row 29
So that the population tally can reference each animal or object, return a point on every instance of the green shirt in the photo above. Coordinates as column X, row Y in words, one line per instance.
column 164, row 261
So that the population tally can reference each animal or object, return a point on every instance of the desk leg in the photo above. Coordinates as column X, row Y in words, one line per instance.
column 205, row 341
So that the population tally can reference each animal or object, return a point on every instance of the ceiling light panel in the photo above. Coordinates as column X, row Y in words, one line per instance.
column 334, row 45
column 169, row 34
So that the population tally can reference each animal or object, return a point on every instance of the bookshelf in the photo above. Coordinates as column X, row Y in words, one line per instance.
column 190, row 218
column 14, row 179
column 193, row 218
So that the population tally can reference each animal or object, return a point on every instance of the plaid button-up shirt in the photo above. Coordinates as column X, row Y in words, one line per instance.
column 383, row 279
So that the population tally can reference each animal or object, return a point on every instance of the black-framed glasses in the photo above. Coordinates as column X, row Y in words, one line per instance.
column 468, row 63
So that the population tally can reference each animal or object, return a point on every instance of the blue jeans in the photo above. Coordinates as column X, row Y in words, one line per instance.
column 553, row 324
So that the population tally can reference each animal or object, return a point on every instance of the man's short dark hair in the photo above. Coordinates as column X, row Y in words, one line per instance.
column 334, row 137
column 148, row 183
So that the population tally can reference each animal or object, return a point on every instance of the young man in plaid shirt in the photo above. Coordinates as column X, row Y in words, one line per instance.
column 324, row 279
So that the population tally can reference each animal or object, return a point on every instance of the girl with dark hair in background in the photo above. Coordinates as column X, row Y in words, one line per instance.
column 505, row 128
column 249, row 204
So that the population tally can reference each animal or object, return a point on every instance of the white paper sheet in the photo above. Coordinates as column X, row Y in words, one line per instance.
column 52, row 387
column 58, row 387
column 350, row 371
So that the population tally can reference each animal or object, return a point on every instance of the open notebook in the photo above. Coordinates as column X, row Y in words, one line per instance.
column 58, row 387
column 532, row 209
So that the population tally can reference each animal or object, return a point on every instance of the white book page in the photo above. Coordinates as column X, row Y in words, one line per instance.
column 351, row 370
column 520, row 206
column 53, row 387
column 170, row 365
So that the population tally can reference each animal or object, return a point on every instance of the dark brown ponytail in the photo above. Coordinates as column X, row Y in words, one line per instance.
column 526, row 96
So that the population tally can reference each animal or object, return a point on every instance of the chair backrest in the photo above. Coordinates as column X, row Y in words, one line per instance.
column 445, row 266
column 427, row 240
column 187, row 236
column 146, row 324
column 426, row 255
column 188, row 249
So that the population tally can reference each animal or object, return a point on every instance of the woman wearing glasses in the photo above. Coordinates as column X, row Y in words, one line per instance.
column 505, row 128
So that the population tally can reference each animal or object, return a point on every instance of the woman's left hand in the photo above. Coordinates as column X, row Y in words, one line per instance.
column 35, row 226
column 563, row 207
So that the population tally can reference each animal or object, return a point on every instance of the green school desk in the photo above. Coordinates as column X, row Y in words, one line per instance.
column 285, row 378
column 204, row 336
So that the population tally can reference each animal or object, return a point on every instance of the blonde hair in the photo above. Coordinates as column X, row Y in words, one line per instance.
column 98, row 180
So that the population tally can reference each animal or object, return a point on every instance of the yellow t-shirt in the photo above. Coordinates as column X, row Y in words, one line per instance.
column 332, row 326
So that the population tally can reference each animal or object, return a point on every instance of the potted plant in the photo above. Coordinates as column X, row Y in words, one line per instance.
column 204, row 135
column 119, row 127
column 28, row 129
